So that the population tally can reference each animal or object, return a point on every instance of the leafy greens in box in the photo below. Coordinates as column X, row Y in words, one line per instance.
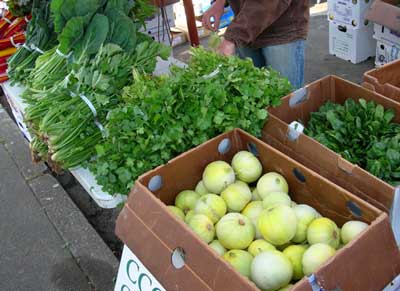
column 361, row 132
column 165, row 116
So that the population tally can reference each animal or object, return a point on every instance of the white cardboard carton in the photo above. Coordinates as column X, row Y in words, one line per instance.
column 350, row 12
column 386, row 53
column 386, row 35
column 351, row 44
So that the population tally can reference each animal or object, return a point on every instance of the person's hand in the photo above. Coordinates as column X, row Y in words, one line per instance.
column 227, row 48
column 215, row 11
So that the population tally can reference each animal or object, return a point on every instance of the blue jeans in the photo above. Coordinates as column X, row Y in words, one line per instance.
column 287, row 59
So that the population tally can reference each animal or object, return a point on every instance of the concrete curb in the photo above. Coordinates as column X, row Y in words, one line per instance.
column 90, row 252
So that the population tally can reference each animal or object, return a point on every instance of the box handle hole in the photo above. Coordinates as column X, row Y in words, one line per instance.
column 354, row 208
column 299, row 175
column 155, row 183
column 178, row 258
column 224, row 146
column 298, row 97
column 252, row 148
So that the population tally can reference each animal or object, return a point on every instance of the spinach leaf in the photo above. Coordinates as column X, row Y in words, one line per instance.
column 362, row 133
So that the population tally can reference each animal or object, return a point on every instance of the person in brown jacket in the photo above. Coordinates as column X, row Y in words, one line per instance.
column 270, row 32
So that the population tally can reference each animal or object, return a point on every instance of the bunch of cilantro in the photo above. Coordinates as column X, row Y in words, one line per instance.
column 363, row 133
column 165, row 116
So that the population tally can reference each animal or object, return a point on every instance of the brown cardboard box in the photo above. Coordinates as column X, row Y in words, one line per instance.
column 385, row 80
column 298, row 107
column 178, row 38
column 147, row 227
column 386, row 13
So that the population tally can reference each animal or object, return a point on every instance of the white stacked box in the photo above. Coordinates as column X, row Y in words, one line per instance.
column 349, row 43
column 386, row 53
column 350, row 34
column 386, row 35
column 351, row 12
column 387, row 46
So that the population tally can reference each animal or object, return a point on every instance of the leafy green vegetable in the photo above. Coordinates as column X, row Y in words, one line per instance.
column 65, row 10
column 40, row 33
column 95, row 35
column 165, row 116
column 363, row 133
column 69, row 96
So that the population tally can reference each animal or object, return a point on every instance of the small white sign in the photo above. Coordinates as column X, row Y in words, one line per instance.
column 134, row 276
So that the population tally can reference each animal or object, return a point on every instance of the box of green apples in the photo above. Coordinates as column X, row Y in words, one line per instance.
column 244, row 216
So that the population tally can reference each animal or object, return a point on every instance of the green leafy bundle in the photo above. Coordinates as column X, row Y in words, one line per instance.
column 69, row 97
column 363, row 133
column 165, row 116
column 66, row 122
column 40, row 36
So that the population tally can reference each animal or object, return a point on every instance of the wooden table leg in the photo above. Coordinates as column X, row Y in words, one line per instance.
column 191, row 23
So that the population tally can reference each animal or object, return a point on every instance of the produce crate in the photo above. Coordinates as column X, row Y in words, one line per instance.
column 280, row 131
column 385, row 80
column 155, row 235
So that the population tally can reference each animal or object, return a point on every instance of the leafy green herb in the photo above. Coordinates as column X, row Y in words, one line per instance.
column 165, row 116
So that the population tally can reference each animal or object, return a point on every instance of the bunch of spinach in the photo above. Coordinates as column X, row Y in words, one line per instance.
column 165, row 116
column 362, row 132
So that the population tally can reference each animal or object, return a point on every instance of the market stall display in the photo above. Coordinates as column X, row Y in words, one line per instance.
column 217, row 208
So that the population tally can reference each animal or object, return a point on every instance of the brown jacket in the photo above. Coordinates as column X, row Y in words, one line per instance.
column 260, row 23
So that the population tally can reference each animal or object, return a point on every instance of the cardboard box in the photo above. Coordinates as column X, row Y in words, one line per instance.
column 202, row 32
column 350, row 12
column 178, row 38
column 351, row 44
column 385, row 80
column 385, row 13
column 386, row 35
column 131, row 269
column 298, row 107
column 386, row 53
column 153, row 233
